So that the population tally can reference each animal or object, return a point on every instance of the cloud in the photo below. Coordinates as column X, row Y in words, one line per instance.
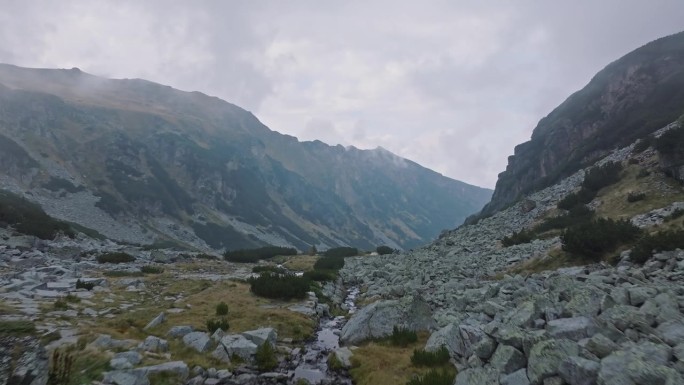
column 451, row 85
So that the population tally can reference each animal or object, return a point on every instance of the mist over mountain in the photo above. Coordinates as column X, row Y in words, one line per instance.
column 142, row 162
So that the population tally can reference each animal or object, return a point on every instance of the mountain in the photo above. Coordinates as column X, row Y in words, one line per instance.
column 630, row 98
column 142, row 162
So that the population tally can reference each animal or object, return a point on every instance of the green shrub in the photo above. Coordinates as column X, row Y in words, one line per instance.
column 70, row 298
column 599, row 177
column 267, row 269
column 217, row 323
column 320, row 275
column 595, row 238
column 383, row 250
column 279, row 286
column 643, row 173
column 148, row 269
column 17, row 328
column 436, row 358
column 518, row 238
column 60, row 304
column 265, row 357
column 208, row 257
column 433, row 377
column 575, row 216
column 84, row 285
column 115, row 257
column 677, row 213
column 575, row 199
column 661, row 241
column 671, row 142
column 222, row 309
column 254, row 255
column 122, row 273
column 60, row 369
column 635, row 197
column 339, row 252
column 642, row 145
column 329, row 263
column 29, row 218
column 403, row 336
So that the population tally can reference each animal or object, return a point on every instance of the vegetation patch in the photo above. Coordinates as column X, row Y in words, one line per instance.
column 402, row 336
column 329, row 263
column 29, row 218
column 434, row 377
column 84, row 285
column 149, row 269
column 265, row 357
column 279, row 286
column 635, row 197
column 222, row 309
column 17, row 328
column 593, row 239
column 217, row 323
column 437, row 358
column 341, row 252
column 523, row 236
column 115, row 257
column 660, row 241
column 383, row 250
column 254, row 255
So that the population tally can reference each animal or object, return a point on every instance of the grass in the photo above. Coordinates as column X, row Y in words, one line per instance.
column 16, row 328
column 555, row 259
column 89, row 367
column 300, row 262
column 380, row 363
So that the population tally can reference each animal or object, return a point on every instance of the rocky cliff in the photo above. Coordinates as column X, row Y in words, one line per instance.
column 633, row 96
column 141, row 162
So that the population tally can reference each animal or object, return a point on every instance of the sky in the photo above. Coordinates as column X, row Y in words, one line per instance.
column 452, row 85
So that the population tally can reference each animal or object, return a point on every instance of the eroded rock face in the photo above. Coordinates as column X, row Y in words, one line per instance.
column 23, row 361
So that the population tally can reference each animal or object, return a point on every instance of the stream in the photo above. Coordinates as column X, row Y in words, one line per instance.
column 313, row 365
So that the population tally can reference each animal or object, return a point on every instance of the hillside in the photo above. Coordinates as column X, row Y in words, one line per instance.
column 141, row 162
column 633, row 96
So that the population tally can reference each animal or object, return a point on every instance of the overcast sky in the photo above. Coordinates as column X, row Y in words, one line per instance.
column 452, row 85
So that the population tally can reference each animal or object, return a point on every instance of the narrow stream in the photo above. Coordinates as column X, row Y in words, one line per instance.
column 314, row 363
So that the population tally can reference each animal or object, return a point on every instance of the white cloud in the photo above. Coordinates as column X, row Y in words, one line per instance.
column 451, row 85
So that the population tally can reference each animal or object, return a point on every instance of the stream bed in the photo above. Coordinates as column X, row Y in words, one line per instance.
column 313, row 366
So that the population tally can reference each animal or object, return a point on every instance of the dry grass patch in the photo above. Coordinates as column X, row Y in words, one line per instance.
column 379, row 363
column 555, row 259
column 300, row 262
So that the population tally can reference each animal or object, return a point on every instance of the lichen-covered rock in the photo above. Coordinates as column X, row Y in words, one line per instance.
column 261, row 336
column 507, row 359
column 546, row 357
column 23, row 361
column 199, row 341
column 480, row 376
column 579, row 371
column 573, row 329
column 236, row 344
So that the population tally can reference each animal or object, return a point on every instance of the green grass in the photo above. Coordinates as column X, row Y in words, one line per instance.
column 16, row 328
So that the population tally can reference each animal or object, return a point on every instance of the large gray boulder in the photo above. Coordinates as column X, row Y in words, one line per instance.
column 579, row 371
column 645, row 363
column 546, row 357
column 156, row 321
column 199, row 341
column 378, row 319
column 516, row 378
column 507, row 359
column 479, row 376
column 179, row 331
column 574, row 329
column 237, row 344
column 154, row 344
column 138, row 376
column 23, row 361
column 261, row 336
column 672, row 332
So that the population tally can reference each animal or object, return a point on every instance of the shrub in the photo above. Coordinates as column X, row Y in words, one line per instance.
column 319, row 275
column 436, row 358
column 222, row 309
column 633, row 161
column 433, row 377
column 599, row 177
column 279, row 286
column 342, row 252
column 265, row 357
column 576, row 215
column 671, row 142
column 61, row 304
column 595, row 238
column 70, row 298
column 572, row 200
column 661, row 241
column 518, row 238
column 643, row 173
column 148, row 269
column 122, row 273
column 17, row 327
column 383, row 250
column 402, row 336
column 116, row 257
column 642, row 145
column 29, row 218
column 84, row 285
column 208, row 257
column 329, row 263
column 635, row 197
column 217, row 323
column 254, row 255
column 677, row 213
column 267, row 269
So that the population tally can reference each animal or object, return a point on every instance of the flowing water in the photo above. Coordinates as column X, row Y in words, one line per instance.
column 313, row 366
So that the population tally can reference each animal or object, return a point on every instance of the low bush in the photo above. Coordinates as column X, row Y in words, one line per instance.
column 599, row 177
column 436, row 358
column 340, row 252
column 320, row 275
column 677, row 213
column 222, row 309
column 267, row 269
column 84, row 285
column 29, row 218
column 265, row 357
column 383, row 250
column 208, row 257
column 433, row 377
column 595, row 238
column 402, row 336
column 61, row 304
column 660, row 241
column 254, row 255
column 60, row 368
column 115, row 257
column 575, row 199
column 329, row 263
column 122, row 273
column 642, row 145
column 279, row 286
column 643, row 173
column 17, row 328
column 217, row 323
column 518, row 238
column 148, row 269
column 671, row 142
column 575, row 216
column 635, row 197
column 70, row 298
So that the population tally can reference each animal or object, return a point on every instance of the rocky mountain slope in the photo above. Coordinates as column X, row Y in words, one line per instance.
column 141, row 162
column 633, row 96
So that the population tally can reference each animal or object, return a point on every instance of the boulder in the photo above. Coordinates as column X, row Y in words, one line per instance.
column 641, row 364
column 516, row 378
column 378, row 319
column 199, row 341
column 546, row 357
column 507, row 359
column 601, row 345
column 672, row 332
column 260, row 336
column 343, row 356
column 480, row 376
column 158, row 320
column 573, row 329
column 579, row 371
column 23, row 361
column 154, row 344
column 236, row 344
column 179, row 331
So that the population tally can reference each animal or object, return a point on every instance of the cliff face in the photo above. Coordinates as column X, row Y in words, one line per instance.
column 632, row 97
column 141, row 162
